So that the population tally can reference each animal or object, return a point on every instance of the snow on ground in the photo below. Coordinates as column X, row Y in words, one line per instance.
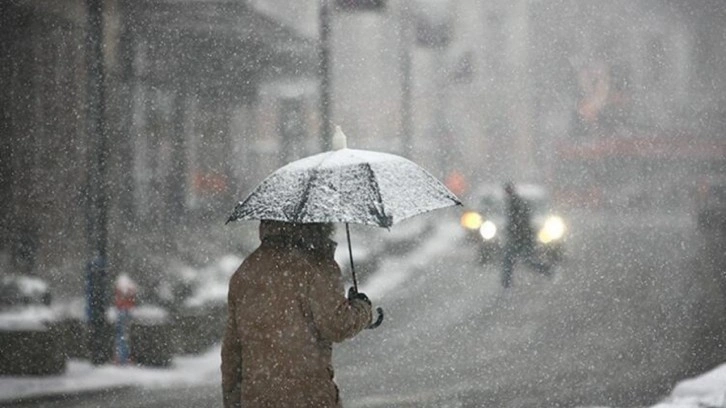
column 398, row 270
column 707, row 390
column 81, row 376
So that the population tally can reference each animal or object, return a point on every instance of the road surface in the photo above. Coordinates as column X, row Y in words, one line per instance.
column 628, row 314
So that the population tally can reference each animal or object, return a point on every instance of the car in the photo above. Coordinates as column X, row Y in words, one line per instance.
column 29, row 328
column 484, row 222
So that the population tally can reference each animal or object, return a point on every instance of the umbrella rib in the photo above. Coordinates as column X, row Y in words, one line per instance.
column 300, row 209
column 383, row 219
column 235, row 216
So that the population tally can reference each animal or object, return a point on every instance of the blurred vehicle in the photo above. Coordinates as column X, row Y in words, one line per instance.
column 485, row 221
column 29, row 328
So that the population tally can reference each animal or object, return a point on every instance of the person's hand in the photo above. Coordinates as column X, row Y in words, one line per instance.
column 354, row 294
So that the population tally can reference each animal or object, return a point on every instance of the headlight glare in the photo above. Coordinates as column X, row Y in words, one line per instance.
column 471, row 220
column 553, row 229
column 488, row 230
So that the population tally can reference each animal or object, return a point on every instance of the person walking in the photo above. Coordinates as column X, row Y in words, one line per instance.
column 519, row 237
column 286, row 308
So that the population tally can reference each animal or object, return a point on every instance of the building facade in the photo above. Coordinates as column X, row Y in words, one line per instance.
column 189, row 85
column 206, row 97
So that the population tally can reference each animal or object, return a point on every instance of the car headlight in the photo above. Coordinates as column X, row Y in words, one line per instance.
column 471, row 220
column 553, row 229
column 488, row 230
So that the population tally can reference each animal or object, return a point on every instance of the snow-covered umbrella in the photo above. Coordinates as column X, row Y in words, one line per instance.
column 347, row 186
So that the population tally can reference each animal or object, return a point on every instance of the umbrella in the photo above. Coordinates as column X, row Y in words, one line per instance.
column 347, row 186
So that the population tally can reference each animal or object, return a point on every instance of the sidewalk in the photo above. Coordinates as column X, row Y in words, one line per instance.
column 705, row 391
column 82, row 377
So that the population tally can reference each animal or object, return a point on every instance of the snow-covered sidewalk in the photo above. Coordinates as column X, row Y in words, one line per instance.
column 707, row 390
column 81, row 377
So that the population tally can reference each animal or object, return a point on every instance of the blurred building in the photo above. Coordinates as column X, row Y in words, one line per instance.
column 625, row 93
column 498, row 88
column 206, row 97
column 189, row 86
column 44, row 153
column 625, row 131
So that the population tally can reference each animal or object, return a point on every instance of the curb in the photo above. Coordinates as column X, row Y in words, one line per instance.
column 35, row 399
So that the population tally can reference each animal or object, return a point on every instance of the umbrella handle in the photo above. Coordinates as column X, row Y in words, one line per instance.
column 350, row 253
column 379, row 319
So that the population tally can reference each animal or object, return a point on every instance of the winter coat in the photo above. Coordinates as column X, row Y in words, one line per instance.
column 286, row 308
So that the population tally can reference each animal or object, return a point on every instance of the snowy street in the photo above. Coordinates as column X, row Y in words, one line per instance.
column 531, row 196
column 618, row 325
column 623, row 319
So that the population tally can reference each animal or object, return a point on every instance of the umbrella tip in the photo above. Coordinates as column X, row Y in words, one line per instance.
column 339, row 139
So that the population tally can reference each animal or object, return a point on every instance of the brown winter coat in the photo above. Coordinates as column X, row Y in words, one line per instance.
column 285, row 310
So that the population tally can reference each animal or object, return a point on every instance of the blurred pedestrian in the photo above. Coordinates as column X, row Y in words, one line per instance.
column 519, row 236
column 286, row 308
column 125, row 301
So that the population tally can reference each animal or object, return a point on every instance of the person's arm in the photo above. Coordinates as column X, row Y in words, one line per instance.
column 231, row 354
column 335, row 316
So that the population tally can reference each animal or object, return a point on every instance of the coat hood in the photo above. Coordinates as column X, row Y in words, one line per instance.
column 308, row 236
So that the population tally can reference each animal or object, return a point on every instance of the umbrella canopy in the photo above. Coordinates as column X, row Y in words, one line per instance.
column 346, row 185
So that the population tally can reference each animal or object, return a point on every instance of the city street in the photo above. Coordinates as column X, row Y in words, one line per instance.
column 143, row 141
column 618, row 325
column 627, row 315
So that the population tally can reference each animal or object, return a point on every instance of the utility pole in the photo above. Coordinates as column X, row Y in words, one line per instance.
column 96, row 273
column 325, row 77
column 523, row 112
column 326, row 11
column 406, row 82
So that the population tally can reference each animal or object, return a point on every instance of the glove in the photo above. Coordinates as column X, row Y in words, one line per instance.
column 354, row 294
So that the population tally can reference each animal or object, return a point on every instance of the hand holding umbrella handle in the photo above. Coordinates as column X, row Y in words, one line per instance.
column 379, row 319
